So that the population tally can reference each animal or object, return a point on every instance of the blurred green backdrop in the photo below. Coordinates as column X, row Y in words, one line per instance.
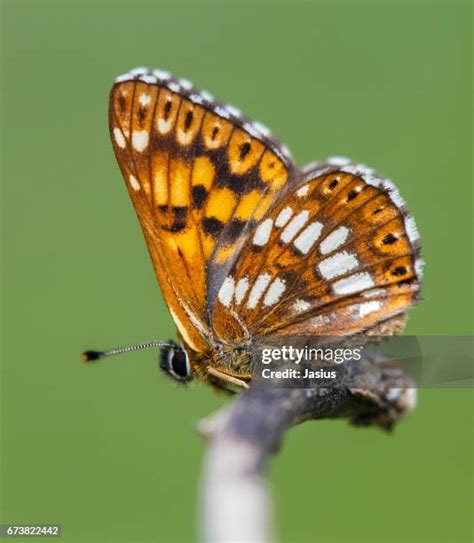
column 110, row 451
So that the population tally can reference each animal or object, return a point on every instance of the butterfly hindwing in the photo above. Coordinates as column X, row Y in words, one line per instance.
column 200, row 177
column 337, row 255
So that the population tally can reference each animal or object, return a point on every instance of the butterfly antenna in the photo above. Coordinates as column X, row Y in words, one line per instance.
column 88, row 356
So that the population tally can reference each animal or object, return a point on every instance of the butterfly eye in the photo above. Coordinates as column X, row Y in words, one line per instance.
column 175, row 362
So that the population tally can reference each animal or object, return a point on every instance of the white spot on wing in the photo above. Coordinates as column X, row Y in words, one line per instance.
column 260, row 127
column 369, row 307
column 283, row 217
column 124, row 77
column 207, row 95
column 164, row 126
column 294, row 226
column 300, row 306
column 334, row 240
column 393, row 193
column 353, row 283
column 258, row 289
column 241, row 289
column 174, row 87
column 365, row 170
column 134, row 183
column 196, row 98
column 419, row 263
column 233, row 110
column 147, row 78
column 221, row 112
column 250, row 128
column 303, row 191
column 262, row 234
column 141, row 70
column 275, row 291
column 308, row 237
column 144, row 99
column 321, row 171
column 412, row 231
column 185, row 83
column 161, row 74
column 374, row 292
column 338, row 160
column 337, row 264
column 321, row 320
column 226, row 292
column 373, row 180
column 351, row 168
column 140, row 140
column 285, row 151
column 119, row 139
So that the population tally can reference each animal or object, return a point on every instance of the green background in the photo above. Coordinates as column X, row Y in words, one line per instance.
column 110, row 451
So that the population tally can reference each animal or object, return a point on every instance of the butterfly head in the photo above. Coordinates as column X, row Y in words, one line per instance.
column 182, row 364
column 174, row 361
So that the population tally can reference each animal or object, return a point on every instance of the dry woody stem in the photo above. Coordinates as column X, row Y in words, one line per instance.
column 236, row 503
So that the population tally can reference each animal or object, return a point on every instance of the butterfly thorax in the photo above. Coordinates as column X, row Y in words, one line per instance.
column 231, row 360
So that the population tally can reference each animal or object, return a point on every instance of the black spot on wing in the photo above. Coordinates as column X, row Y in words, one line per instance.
column 244, row 150
column 234, row 229
column 399, row 270
column 167, row 110
column 141, row 115
column 389, row 239
column 199, row 195
column 238, row 184
column 212, row 226
column 188, row 120
column 352, row 194
column 122, row 103
column 180, row 214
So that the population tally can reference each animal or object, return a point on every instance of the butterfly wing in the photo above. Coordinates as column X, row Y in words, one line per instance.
column 200, row 176
column 337, row 255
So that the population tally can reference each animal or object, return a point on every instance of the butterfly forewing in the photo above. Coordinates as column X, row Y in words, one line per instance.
column 200, row 177
column 337, row 255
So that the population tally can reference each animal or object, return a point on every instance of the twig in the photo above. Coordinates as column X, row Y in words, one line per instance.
column 236, row 502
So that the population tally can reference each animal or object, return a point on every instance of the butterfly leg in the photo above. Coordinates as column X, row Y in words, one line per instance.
column 224, row 377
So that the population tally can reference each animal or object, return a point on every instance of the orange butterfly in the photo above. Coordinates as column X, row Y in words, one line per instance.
column 247, row 248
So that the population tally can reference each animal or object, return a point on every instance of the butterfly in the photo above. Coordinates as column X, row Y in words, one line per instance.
column 248, row 248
